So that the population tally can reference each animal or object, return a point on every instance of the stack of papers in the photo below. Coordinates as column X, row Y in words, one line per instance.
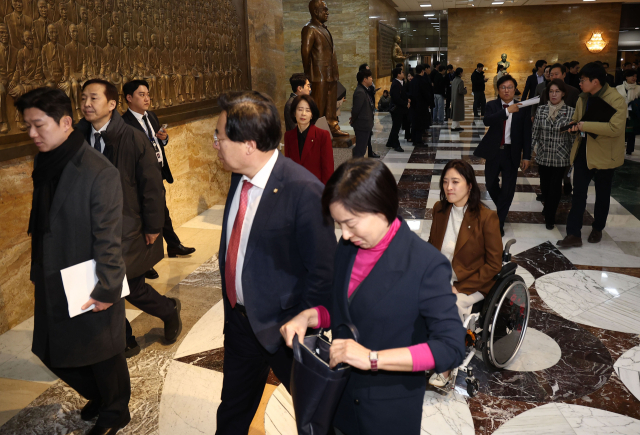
column 529, row 102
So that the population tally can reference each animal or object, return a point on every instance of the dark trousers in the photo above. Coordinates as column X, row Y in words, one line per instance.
column 479, row 102
column 369, row 147
column 396, row 117
column 551, row 186
column 502, row 195
column 363, row 139
column 168, row 233
column 147, row 299
column 406, row 124
column 418, row 125
column 246, row 367
column 582, row 176
column 447, row 107
column 630, row 139
column 106, row 382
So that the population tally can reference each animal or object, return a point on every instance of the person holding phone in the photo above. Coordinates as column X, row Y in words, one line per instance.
column 553, row 146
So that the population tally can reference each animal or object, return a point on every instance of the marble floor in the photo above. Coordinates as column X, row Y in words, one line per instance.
column 578, row 371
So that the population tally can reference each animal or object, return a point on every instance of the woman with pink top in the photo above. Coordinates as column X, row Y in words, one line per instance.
column 395, row 288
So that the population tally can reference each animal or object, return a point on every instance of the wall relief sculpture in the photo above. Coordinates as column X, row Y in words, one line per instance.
column 188, row 50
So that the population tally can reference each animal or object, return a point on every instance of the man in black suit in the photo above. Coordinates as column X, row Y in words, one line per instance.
column 506, row 145
column 400, row 104
column 362, row 113
column 372, row 93
column 478, row 81
column 448, row 78
column 300, row 85
column 421, row 94
column 136, row 93
column 573, row 74
column 611, row 80
column 276, row 252
column 534, row 80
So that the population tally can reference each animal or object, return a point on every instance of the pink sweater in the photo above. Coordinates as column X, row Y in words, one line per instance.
column 366, row 259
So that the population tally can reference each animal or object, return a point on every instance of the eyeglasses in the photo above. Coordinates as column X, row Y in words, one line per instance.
column 584, row 80
column 504, row 88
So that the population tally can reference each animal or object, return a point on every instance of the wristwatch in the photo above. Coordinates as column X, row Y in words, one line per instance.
column 373, row 359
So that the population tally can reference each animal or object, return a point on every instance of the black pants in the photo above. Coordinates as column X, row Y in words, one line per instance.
column 363, row 139
column 479, row 101
column 168, row 233
column 502, row 196
column 106, row 382
column 551, row 186
column 396, row 117
column 369, row 147
column 630, row 139
column 406, row 124
column 147, row 299
column 246, row 367
column 447, row 107
column 418, row 126
column 582, row 176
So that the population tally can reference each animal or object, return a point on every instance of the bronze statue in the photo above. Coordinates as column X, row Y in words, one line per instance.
column 93, row 56
column 321, row 64
column 397, row 56
column 17, row 22
column 53, row 61
column 83, row 27
column 75, row 65
column 504, row 62
column 39, row 28
column 63, row 25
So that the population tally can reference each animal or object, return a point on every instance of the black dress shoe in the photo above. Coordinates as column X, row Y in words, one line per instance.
column 173, row 326
column 373, row 155
column 399, row 149
column 132, row 349
column 151, row 274
column 550, row 226
column 174, row 251
column 570, row 241
column 100, row 430
column 502, row 232
column 90, row 410
column 539, row 197
column 595, row 236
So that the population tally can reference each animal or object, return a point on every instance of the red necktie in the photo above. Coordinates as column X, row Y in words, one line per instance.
column 504, row 126
column 234, row 244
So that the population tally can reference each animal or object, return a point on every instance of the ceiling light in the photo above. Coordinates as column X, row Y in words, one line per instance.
column 425, row 6
column 588, row 0
column 414, row 30
column 432, row 18
column 429, row 15
column 402, row 19
column 501, row 3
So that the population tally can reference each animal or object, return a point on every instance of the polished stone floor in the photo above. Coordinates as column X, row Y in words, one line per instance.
column 578, row 371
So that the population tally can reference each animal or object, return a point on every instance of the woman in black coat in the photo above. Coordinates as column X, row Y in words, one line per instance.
column 395, row 288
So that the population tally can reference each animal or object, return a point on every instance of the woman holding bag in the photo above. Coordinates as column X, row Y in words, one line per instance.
column 395, row 288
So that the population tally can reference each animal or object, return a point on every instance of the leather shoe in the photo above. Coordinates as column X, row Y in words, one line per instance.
column 174, row 251
column 132, row 349
column 550, row 226
column 595, row 236
column 502, row 232
column 173, row 326
column 100, row 430
column 151, row 274
column 374, row 156
column 90, row 410
column 570, row 241
column 399, row 149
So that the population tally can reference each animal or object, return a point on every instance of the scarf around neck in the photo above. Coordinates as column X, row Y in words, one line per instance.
column 633, row 91
column 554, row 109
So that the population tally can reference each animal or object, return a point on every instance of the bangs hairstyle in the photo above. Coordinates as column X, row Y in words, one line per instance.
column 315, row 113
column 466, row 171
column 130, row 87
column 507, row 78
column 362, row 186
column 53, row 102
column 110, row 90
column 251, row 116
column 559, row 83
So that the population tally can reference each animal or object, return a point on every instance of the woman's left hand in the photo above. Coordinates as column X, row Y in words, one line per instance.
column 350, row 352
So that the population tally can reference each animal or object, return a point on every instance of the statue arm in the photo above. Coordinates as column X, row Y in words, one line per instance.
column 307, row 45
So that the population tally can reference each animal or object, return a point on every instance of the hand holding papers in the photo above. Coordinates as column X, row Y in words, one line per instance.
column 79, row 281
column 529, row 102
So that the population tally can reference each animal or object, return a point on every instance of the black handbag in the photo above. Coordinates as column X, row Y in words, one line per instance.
column 315, row 388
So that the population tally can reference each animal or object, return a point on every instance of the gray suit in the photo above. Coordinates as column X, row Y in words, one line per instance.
column 361, row 119
column 289, row 122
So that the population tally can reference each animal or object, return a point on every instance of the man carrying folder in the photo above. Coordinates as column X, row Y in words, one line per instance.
column 76, row 216
column 598, row 149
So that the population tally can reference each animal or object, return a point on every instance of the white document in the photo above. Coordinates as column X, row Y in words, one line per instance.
column 79, row 281
column 322, row 124
column 529, row 102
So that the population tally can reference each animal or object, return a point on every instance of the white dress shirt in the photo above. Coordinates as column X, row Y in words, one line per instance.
column 540, row 78
column 92, row 139
column 153, row 133
column 451, row 236
column 507, row 128
column 259, row 182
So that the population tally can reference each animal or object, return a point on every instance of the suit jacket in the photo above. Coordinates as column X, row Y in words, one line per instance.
column 399, row 97
column 289, row 122
column 530, row 87
column 362, row 109
column 477, row 81
column 494, row 117
column 129, row 150
column 288, row 264
column 405, row 300
column 130, row 119
column 86, row 223
column 317, row 153
column 319, row 58
column 478, row 254
column 421, row 93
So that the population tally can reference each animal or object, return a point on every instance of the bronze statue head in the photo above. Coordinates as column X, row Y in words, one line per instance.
column 397, row 39
column 503, row 56
column 319, row 10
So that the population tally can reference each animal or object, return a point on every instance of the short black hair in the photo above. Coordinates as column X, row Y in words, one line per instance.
column 626, row 64
column 594, row 71
column 459, row 72
column 540, row 62
column 54, row 102
column 130, row 87
column 573, row 63
column 559, row 65
column 363, row 74
column 480, row 65
column 559, row 83
column 251, row 116
column 399, row 65
column 362, row 186
column 426, row 66
column 419, row 69
column 110, row 90
column 396, row 71
column 506, row 78
column 436, row 63
column 567, row 65
column 630, row 73
column 298, row 80
column 605, row 63
column 441, row 68
column 315, row 113
column 449, row 66
column 363, row 67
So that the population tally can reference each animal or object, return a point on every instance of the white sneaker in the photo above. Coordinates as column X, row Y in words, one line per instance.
column 437, row 380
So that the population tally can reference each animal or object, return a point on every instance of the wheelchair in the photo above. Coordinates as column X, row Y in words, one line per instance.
column 497, row 325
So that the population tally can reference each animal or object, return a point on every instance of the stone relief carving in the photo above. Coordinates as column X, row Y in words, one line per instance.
column 188, row 50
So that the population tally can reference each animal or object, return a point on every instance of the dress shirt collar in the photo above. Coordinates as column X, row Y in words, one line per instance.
column 102, row 130
column 138, row 115
column 509, row 104
column 401, row 82
column 260, row 179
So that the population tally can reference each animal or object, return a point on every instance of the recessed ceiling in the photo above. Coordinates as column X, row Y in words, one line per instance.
column 414, row 5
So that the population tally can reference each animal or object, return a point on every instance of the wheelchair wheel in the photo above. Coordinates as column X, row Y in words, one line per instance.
column 505, row 322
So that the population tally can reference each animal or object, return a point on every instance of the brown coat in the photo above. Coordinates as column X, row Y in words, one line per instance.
column 478, row 254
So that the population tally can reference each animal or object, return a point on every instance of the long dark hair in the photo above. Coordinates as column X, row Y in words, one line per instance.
column 466, row 170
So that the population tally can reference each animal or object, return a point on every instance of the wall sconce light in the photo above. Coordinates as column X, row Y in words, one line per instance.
column 596, row 44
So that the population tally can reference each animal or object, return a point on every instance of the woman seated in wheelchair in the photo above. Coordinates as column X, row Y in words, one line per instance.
column 394, row 287
column 468, row 234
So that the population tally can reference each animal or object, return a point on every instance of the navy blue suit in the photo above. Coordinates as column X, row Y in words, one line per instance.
column 405, row 300
column 288, row 267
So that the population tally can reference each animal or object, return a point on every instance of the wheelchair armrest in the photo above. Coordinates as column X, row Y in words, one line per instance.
column 507, row 269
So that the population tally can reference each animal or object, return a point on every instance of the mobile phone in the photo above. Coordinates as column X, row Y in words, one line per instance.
column 567, row 127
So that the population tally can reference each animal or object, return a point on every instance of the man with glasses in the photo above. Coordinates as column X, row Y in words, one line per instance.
column 506, row 145
column 300, row 85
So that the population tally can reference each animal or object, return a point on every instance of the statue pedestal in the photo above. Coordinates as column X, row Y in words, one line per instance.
column 343, row 149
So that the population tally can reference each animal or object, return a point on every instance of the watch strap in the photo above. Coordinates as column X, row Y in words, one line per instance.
column 373, row 359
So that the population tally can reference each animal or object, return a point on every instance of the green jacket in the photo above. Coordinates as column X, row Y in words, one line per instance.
column 607, row 150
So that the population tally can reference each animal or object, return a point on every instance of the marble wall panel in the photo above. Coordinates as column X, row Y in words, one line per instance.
column 528, row 33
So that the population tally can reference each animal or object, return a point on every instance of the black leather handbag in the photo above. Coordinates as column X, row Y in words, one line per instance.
column 315, row 388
